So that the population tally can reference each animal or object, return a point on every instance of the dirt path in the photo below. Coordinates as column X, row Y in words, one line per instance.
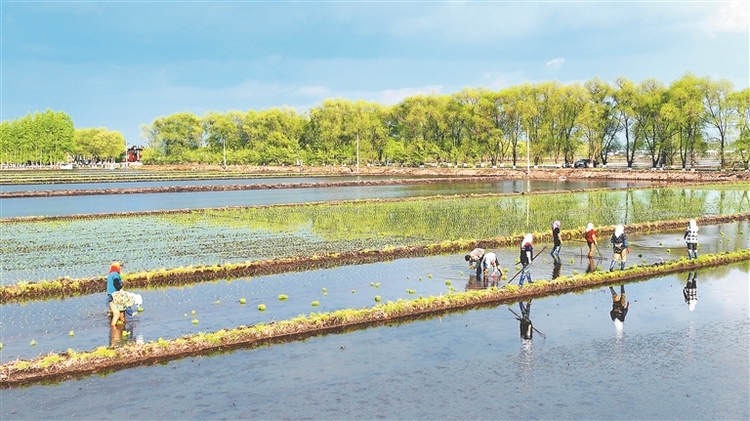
column 510, row 174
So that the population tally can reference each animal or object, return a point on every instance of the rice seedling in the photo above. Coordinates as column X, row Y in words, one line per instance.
column 243, row 301
column 283, row 297
column 261, row 307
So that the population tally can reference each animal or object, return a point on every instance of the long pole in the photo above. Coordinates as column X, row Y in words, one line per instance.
column 357, row 153
column 532, row 259
column 224, row 141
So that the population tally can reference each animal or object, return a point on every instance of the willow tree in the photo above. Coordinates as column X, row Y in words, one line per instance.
column 719, row 113
column 685, row 94
column 99, row 144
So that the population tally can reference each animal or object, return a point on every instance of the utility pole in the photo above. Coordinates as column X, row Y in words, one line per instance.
column 357, row 153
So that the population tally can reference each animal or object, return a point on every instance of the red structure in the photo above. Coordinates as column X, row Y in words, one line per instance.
column 134, row 153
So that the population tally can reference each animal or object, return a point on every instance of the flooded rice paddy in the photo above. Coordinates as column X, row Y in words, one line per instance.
column 72, row 205
column 664, row 362
column 169, row 311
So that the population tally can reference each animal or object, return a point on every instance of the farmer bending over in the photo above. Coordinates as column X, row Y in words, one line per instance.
column 474, row 257
column 123, row 302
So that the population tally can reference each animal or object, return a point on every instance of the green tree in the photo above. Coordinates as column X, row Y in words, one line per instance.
column 174, row 136
column 719, row 113
column 740, row 103
column 99, row 144
column 600, row 120
column 626, row 100
column 685, row 94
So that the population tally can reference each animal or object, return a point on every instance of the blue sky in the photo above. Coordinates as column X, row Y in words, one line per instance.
column 120, row 64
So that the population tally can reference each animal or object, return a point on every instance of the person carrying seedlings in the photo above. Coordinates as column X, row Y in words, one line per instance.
column 114, row 280
column 122, row 303
column 489, row 260
column 620, row 248
column 619, row 305
column 690, row 292
column 527, row 255
column 590, row 236
column 691, row 238
column 474, row 257
column 557, row 243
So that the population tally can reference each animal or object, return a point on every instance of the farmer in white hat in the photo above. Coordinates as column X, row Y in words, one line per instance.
column 691, row 238
column 620, row 248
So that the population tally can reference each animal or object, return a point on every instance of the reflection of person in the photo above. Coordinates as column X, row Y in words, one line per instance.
column 556, row 241
column 619, row 305
column 690, row 292
column 527, row 255
column 590, row 236
column 474, row 257
column 121, row 333
column 526, row 327
column 489, row 260
column 556, row 269
column 620, row 248
column 114, row 280
column 115, row 334
column 485, row 283
column 691, row 238
column 123, row 302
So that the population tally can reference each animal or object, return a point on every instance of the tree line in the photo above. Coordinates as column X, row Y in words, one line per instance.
column 670, row 125
column 50, row 138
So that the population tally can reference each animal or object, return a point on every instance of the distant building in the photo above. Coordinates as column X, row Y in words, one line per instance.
column 134, row 153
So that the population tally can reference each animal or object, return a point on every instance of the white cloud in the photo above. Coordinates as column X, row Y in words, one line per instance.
column 555, row 63
column 393, row 96
column 730, row 17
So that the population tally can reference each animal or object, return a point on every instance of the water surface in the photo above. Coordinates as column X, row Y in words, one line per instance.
column 73, row 205
column 665, row 362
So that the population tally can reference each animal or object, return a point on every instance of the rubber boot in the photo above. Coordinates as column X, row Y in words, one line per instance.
column 612, row 266
column 622, row 265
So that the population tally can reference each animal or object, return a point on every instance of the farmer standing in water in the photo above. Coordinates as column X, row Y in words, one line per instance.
column 590, row 236
column 557, row 242
column 527, row 255
column 620, row 248
column 691, row 238
column 114, row 282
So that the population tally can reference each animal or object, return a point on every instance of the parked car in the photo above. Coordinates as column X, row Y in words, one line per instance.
column 585, row 163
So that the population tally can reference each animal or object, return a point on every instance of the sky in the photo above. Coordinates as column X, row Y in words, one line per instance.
column 122, row 64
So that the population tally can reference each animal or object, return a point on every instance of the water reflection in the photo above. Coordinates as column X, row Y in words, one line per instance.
column 620, row 306
column 690, row 292
column 526, row 327
column 556, row 269
column 122, row 333
column 482, row 282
